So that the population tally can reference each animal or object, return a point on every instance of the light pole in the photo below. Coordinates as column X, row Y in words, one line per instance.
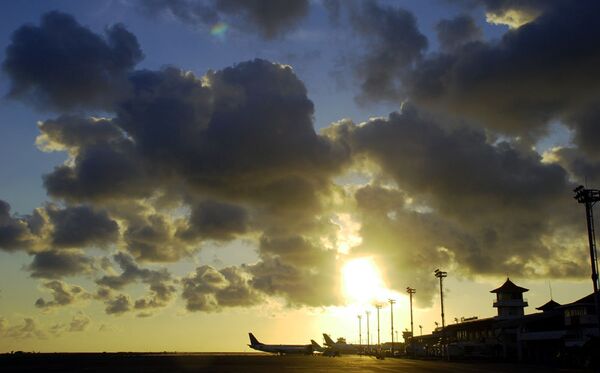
column 359, row 330
column 589, row 197
column 368, row 330
column 421, row 327
column 378, row 306
column 392, row 301
column 410, row 292
column 441, row 274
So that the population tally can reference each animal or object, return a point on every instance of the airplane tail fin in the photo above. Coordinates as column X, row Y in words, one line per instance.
column 328, row 340
column 316, row 346
column 253, row 340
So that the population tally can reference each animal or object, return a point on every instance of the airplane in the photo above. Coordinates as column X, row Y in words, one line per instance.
column 285, row 349
column 340, row 347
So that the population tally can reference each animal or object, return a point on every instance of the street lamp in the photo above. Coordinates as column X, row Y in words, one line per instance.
column 441, row 274
column 421, row 327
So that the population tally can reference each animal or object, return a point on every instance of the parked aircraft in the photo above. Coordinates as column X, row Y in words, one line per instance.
column 284, row 349
column 340, row 347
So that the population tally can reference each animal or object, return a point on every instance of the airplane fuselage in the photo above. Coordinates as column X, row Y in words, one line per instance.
column 283, row 349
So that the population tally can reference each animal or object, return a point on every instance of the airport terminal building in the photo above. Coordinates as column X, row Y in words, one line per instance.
column 556, row 332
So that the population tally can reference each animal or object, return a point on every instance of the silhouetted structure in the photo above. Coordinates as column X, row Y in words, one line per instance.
column 509, row 300
column 392, row 301
column 589, row 197
column 563, row 333
column 441, row 274
column 410, row 292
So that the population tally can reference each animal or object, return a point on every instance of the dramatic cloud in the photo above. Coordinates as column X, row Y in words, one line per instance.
column 15, row 232
column 271, row 18
column 394, row 43
column 57, row 264
column 81, row 226
column 62, row 294
column 453, row 33
column 505, row 85
column 215, row 220
column 63, row 65
column 160, row 284
column 153, row 238
column 472, row 203
column 118, row 305
column 292, row 267
column 209, row 289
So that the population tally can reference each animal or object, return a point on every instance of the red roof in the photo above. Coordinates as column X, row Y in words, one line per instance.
column 509, row 287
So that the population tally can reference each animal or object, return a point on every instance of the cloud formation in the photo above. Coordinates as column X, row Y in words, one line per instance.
column 474, row 204
column 180, row 160
column 57, row 264
column 63, row 65
column 62, row 294
column 269, row 18
column 393, row 44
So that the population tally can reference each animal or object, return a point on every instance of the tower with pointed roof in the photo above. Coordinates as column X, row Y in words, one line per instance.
column 509, row 300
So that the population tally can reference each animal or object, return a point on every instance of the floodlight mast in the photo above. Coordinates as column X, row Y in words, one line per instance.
column 378, row 307
column 368, row 331
column 392, row 301
column 410, row 292
column 360, row 331
column 589, row 197
column 441, row 274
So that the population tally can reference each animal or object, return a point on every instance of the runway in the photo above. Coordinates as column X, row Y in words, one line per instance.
column 243, row 363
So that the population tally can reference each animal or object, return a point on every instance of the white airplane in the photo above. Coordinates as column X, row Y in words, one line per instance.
column 284, row 349
column 340, row 347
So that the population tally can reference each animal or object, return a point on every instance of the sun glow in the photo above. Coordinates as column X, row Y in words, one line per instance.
column 362, row 281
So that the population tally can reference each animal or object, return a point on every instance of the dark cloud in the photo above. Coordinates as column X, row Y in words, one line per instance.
column 586, row 129
column 393, row 45
column 209, row 289
column 57, row 264
column 63, row 65
column 62, row 294
column 118, row 305
column 72, row 132
column 477, row 203
column 153, row 239
column 292, row 266
column 455, row 32
column 160, row 284
column 580, row 167
column 270, row 18
column 132, row 273
column 15, row 232
column 215, row 220
column 100, row 173
column 506, row 85
column 247, row 134
column 82, row 226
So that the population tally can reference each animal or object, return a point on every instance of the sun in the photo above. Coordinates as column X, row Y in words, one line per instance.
column 362, row 281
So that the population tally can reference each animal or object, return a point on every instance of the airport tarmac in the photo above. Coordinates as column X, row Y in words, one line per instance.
column 243, row 363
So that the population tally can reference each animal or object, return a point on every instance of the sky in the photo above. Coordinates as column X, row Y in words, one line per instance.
column 178, row 173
